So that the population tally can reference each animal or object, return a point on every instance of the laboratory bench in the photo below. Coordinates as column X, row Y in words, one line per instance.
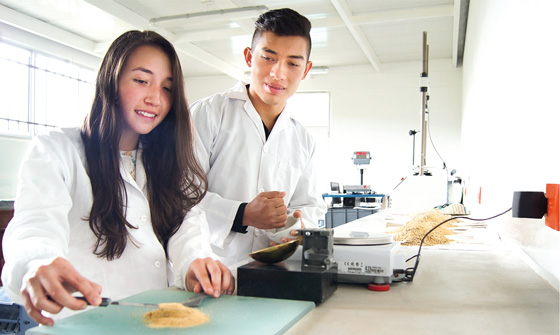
column 480, row 289
column 454, row 292
column 471, row 292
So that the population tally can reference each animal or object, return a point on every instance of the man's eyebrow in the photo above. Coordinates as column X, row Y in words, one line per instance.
column 143, row 69
column 275, row 53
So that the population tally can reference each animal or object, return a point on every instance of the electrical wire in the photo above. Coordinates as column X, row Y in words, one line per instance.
column 430, row 136
column 410, row 272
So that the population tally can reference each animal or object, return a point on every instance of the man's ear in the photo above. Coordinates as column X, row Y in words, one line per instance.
column 248, row 56
column 308, row 67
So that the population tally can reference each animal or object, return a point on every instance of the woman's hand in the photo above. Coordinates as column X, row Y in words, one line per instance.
column 210, row 276
column 48, row 289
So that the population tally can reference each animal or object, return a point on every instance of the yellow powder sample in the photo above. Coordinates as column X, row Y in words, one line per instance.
column 175, row 315
column 413, row 231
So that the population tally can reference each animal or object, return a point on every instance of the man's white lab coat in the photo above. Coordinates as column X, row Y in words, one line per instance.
column 53, row 202
column 241, row 163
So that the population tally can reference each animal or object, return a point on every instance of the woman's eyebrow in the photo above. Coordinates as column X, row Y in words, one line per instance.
column 143, row 69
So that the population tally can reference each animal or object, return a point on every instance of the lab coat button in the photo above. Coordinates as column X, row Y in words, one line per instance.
column 261, row 190
column 265, row 148
column 157, row 264
column 144, row 217
column 257, row 232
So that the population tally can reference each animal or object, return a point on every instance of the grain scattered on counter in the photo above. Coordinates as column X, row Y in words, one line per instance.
column 413, row 231
column 175, row 315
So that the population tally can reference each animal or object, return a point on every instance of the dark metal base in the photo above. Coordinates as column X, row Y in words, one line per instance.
column 286, row 280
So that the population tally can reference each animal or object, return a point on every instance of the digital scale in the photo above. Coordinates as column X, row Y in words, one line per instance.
column 324, row 260
column 365, row 257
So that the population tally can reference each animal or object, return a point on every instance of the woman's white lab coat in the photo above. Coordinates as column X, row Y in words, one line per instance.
column 241, row 163
column 52, row 204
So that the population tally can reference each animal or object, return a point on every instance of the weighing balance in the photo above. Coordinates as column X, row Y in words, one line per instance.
column 316, row 267
column 366, row 258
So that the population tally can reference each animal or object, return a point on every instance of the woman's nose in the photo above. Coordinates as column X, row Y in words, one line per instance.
column 153, row 96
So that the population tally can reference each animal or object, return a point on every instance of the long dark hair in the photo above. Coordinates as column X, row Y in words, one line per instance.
column 175, row 180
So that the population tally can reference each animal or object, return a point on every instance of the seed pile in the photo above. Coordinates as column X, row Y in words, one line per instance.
column 414, row 230
column 175, row 315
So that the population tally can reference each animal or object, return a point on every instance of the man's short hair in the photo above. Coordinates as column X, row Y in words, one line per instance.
column 283, row 22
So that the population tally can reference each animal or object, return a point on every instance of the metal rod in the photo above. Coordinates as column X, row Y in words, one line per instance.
column 424, row 91
column 361, row 176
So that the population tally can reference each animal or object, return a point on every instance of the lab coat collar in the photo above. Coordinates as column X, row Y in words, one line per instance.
column 239, row 91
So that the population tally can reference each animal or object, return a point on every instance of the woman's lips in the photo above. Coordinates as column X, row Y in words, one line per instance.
column 146, row 114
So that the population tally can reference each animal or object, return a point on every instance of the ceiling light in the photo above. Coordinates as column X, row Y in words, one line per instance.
column 223, row 13
column 314, row 70
column 319, row 70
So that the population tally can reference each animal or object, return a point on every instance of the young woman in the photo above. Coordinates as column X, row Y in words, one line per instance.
column 111, row 208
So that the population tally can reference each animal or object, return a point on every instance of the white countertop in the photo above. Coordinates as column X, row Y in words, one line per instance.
column 454, row 292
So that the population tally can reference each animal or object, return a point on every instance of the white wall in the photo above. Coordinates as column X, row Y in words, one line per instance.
column 373, row 112
column 511, row 114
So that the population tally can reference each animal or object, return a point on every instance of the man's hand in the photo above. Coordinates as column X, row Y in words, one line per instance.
column 294, row 232
column 210, row 276
column 266, row 211
column 48, row 289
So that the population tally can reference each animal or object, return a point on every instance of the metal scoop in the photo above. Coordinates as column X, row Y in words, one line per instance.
column 275, row 254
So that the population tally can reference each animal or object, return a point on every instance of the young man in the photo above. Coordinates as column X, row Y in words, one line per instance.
column 259, row 161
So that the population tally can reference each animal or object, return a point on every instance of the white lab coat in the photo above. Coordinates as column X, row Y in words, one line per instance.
column 241, row 163
column 53, row 198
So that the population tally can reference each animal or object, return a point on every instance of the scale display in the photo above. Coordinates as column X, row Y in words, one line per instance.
column 361, row 157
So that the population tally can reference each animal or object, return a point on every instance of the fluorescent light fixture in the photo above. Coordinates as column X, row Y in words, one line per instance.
column 319, row 70
column 223, row 13
column 314, row 70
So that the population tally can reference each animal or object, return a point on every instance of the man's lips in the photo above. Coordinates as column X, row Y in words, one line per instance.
column 275, row 88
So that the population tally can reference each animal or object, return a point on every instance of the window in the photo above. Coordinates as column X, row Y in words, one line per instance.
column 41, row 91
column 312, row 110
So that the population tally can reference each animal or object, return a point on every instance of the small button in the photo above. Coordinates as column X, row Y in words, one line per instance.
column 157, row 264
column 265, row 148
column 261, row 190
column 257, row 232
column 144, row 218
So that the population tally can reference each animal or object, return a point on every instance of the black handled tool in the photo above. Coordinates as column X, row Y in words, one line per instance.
column 107, row 301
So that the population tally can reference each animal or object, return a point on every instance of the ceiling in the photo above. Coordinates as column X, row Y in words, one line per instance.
column 211, row 42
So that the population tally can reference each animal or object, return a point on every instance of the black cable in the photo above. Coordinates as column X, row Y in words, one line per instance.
column 410, row 272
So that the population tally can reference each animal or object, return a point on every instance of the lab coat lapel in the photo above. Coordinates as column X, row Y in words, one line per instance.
column 281, row 122
column 140, row 183
column 141, row 180
column 255, row 117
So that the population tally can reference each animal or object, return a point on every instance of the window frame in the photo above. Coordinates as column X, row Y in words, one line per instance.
column 33, row 126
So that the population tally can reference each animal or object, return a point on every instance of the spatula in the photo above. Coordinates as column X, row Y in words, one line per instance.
column 107, row 301
column 195, row 300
